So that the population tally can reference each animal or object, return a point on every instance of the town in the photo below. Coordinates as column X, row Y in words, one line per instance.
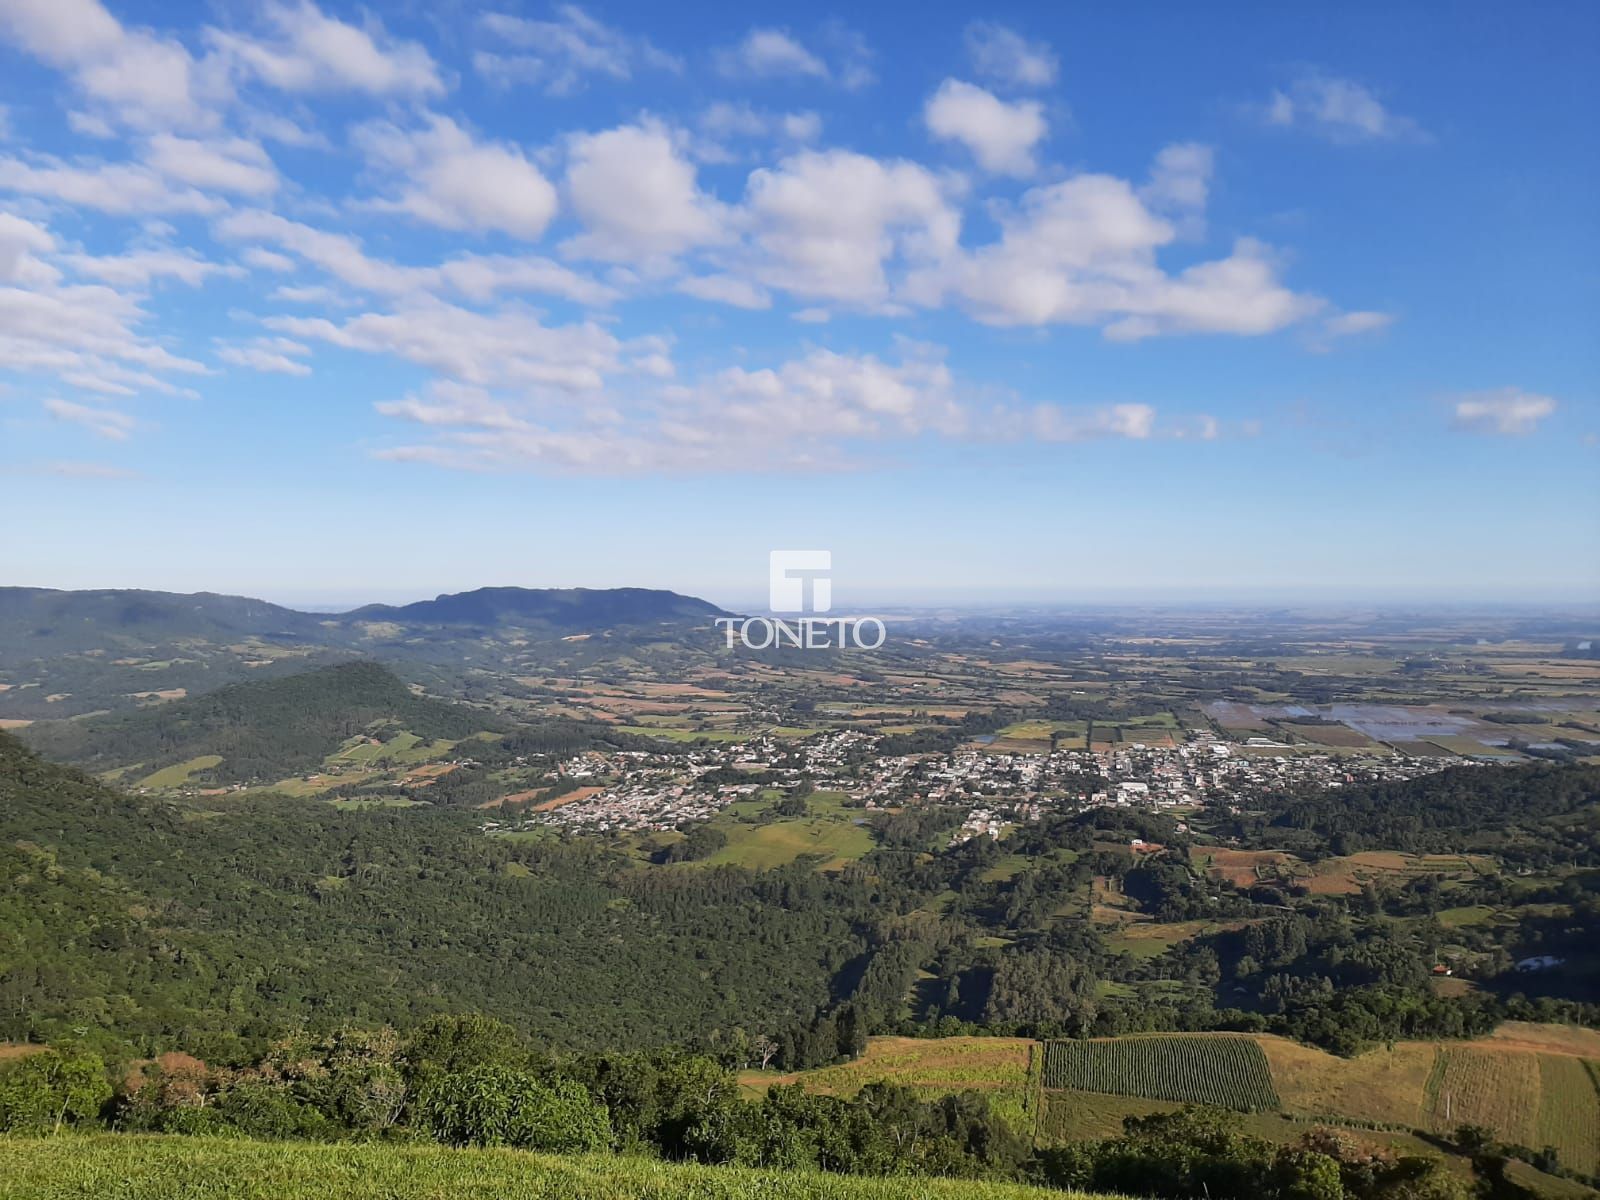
column 639, row 790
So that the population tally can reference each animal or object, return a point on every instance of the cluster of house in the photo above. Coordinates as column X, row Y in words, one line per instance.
column 644, row 790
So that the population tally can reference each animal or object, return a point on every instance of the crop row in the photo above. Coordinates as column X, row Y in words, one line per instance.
column 1230, row 1072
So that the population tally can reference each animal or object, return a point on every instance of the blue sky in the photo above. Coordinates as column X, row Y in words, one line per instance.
column 1051, row 302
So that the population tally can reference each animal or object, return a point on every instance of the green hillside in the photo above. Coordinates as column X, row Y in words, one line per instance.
column 212, row 932
column 181, row 1168
column 261, row 730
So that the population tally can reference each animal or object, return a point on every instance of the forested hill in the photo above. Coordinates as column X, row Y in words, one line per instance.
column 560, row 608
column 262, row 730
column 35, row 622
column 1531, row 815
column 40, row 622
column 160, row 927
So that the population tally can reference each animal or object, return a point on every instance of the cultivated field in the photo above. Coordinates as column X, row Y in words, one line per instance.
column 1231, row 1072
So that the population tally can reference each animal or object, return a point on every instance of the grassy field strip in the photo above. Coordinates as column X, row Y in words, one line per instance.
column 1385, row 1087
column 996, row 1066
column 1498, row 1089
column 130, row 1167
column 1569, row 1110
column 1228, row 1071
column 178, row 773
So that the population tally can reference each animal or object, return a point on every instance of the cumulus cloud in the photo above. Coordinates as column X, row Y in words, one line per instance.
column 1006, row 57
column 1000, row 136
column 840, row 56
column 637, row 197
column 506, row 348
column 302, row 49
column 130, row 76
column 725, row 289
column 723, row 124
column 560, row 54
column 454, row 181
column 102, row 422
column 826, row 223
column 802, row 412
column 1084, row 251
column 1179, row 184
column 1507, row 412
column 1339, row 109
column 478, row 277
column 226, row 165
column 766, row 53
column 122, row 188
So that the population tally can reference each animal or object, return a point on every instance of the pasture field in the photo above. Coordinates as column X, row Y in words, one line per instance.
column 1569, row 1110
column 1382, row 1086
column 404, row 748
column 953, row 1064
column 830, row 830
column 1230, row 1072
column 1498, row 1089
column 178, row 774
column 997, row 1066
column 153, row 1167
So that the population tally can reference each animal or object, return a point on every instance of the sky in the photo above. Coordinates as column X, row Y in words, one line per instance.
column 331, row 303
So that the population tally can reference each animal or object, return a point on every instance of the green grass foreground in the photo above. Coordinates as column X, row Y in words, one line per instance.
column 155, row 1167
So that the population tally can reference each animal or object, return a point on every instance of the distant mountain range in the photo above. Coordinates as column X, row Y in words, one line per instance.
column 46, row 621
column 67, row 654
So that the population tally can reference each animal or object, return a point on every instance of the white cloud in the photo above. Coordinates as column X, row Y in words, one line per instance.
column 275, row 127
column 103, row 422
column 130, row 76
column 477, row 277
column 1051, row 423
column 267, row 260
column 723, row 123
column 86, row 336
column 725, row 289
column 20, row 241
column 123, row 189
column 456, row 182
column 305, row 50
column 229, row 165
column 270, row 355
column 1339, row 109
column 1509, row 411
column 637, row 196
column 1084, row 251
column 769, row 53
column 827, row 222
column 1180, row 183
column 1337, row 326
column 507, row 348
column 138, row 268
column 1000, row 136
column 1006, row 57
column 557, row 55
column 803, row 412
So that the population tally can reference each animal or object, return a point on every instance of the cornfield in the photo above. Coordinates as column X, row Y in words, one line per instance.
column 1230, row 1072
